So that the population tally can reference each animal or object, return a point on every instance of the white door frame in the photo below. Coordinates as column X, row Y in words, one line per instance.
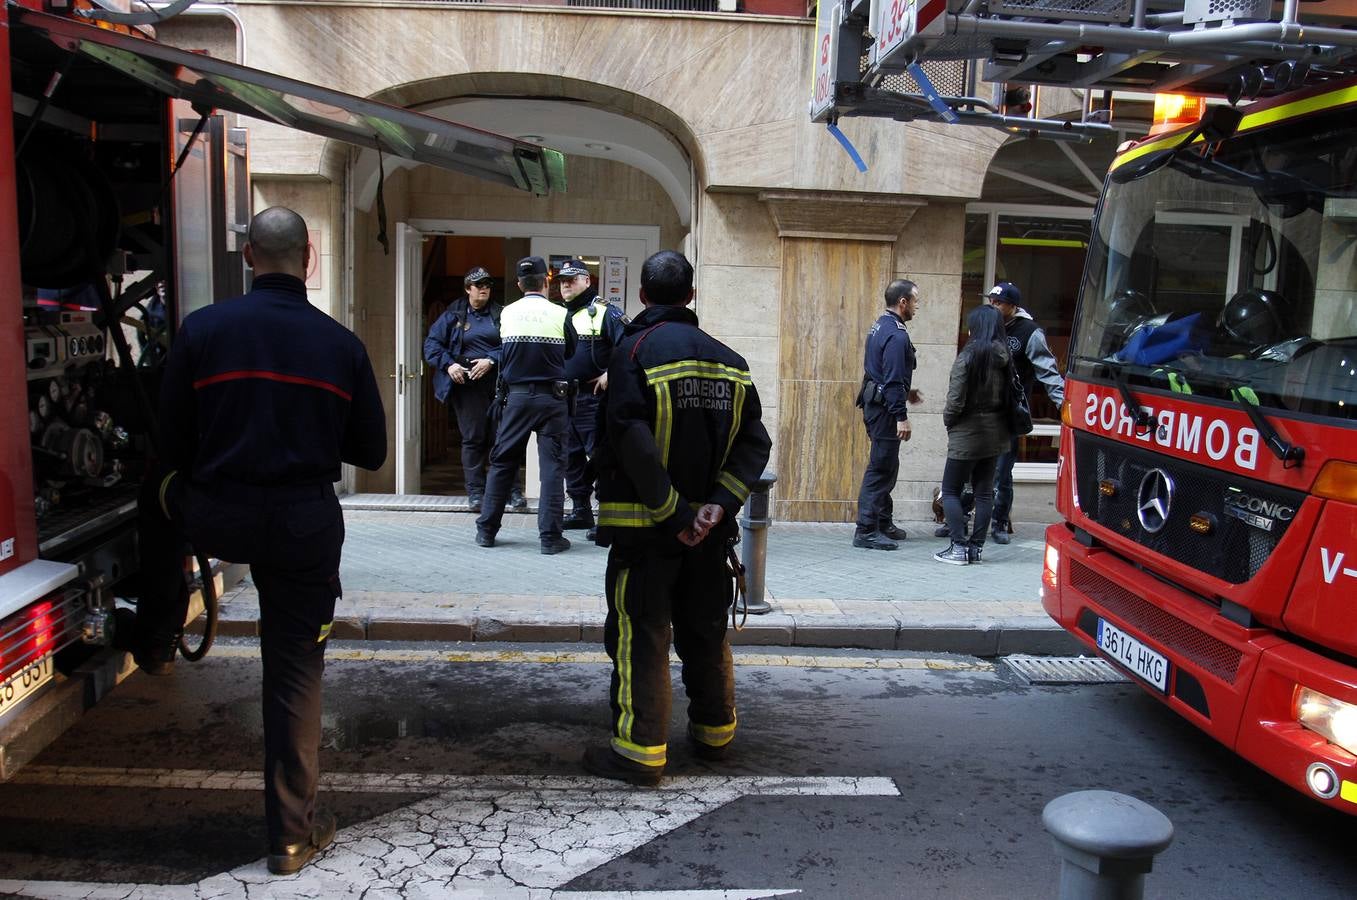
column 409, row 346
column 409, row 356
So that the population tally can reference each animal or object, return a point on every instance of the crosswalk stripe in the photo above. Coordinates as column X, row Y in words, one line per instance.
column 431, row 783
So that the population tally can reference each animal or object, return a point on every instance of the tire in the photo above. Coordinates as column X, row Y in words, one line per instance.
column 209, row 587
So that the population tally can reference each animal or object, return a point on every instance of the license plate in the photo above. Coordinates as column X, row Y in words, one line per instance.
column 1143, row 662
column 24, row 682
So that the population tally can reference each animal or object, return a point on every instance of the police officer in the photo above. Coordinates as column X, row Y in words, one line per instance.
column 682, row 445
column 599, row 326
column 463, row 348
column 263, row 397
column 1034, row 361
column 537, row 339
column 888, row 364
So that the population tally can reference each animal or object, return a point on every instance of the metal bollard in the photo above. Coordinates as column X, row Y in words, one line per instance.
column 754, row 545
column 1107, row 843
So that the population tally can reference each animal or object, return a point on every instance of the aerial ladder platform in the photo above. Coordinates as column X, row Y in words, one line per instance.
column 881, row 58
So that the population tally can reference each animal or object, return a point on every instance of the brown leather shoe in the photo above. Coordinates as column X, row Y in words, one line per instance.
column 293, row 857
column 604, row 763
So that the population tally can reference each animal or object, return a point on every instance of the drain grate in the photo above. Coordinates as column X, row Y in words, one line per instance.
column 1064, row 670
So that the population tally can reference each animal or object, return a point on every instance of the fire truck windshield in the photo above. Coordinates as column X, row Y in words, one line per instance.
column 1232, row 272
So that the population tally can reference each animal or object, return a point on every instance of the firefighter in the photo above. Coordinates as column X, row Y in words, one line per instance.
column 537, row 340
column 1035, row 362
column 681, row 444
column 599, row 326
column 263, row 397
column 888, row 370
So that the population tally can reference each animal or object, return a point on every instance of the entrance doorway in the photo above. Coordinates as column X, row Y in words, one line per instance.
column 433, row 257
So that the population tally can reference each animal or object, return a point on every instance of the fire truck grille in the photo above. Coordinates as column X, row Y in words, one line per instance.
column 1238, row 542
column 1187, row 642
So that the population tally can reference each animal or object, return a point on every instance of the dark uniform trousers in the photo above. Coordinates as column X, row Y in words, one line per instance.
column 653, row 588
column 470, row 403
column 291, row 538
column 530, row 408
column 579, row 448
column 1003, row 487
column 875, row 507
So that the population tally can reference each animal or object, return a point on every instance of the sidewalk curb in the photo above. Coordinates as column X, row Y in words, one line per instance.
column 988, row 639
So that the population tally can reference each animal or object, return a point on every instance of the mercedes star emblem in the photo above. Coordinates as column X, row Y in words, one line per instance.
column 1154, row 500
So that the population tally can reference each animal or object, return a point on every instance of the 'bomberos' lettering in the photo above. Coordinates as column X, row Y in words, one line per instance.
column 1184, row 431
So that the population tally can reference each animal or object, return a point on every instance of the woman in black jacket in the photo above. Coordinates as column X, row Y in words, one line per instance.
column 976, row 416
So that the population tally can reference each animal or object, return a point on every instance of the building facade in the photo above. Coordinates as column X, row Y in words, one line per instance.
column 682, row 130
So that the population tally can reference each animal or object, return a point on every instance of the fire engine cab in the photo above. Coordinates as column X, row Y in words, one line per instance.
column 124, row 195
column 1207, row 476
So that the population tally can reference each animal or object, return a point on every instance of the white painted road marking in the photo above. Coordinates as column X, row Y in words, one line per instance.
column 512, row 837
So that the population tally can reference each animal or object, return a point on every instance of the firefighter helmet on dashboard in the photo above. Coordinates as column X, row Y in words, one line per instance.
column 1254, row 318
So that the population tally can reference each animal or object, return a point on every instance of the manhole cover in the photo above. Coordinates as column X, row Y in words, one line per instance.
column 1064, row 670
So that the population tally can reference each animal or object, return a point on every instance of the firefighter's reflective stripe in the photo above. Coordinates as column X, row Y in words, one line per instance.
column 714, row 735
column 734, row 485
column 1244, row 395
column 625, row 515
column 734, row 422
column 696, row 368
column 533, row 319
column 626, row 717
column 165, row 486
column 325, row 631
column 664, row 420
column 634, row 515
column 646, row 756
column 669, row 508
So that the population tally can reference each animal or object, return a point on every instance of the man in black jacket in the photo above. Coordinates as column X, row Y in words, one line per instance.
column 1035, row 362
column 888, row 372
column 681, row 443
column 463, row 350
column 264, row 396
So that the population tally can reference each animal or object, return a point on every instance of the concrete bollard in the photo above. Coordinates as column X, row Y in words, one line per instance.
column 1106, row 842
column 754, row 545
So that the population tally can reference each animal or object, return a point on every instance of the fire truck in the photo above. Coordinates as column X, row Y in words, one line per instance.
column 124, row 196
column 1207, row 476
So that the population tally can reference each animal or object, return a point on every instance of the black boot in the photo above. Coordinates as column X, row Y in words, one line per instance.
column 603, row 762
column 581, row 518
column 873, row 540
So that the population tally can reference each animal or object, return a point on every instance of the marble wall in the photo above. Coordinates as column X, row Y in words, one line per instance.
column 791, row 293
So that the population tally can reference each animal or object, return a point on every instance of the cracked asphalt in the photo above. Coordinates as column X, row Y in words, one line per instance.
column 861, row 776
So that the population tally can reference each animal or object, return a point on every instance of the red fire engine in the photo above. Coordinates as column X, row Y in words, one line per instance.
column 1207, row 477
column 123, row 195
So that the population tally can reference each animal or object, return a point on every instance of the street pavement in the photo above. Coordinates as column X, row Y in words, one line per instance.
column 412, row 572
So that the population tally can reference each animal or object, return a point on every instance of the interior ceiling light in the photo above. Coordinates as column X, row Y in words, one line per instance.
column 534, row 138
column 598, row 146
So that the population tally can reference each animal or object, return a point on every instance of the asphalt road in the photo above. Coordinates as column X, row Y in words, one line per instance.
column 867, row 775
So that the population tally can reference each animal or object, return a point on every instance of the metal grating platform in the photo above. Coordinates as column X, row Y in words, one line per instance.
column 1064, row 670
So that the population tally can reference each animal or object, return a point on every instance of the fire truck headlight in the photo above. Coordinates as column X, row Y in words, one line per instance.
column 1333, row 719
column 1050, row 573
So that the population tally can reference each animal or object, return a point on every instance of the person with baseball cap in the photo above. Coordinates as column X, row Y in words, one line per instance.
column 463, row 350
column 537, row 340
column 1035, row 362
column 600, row 326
